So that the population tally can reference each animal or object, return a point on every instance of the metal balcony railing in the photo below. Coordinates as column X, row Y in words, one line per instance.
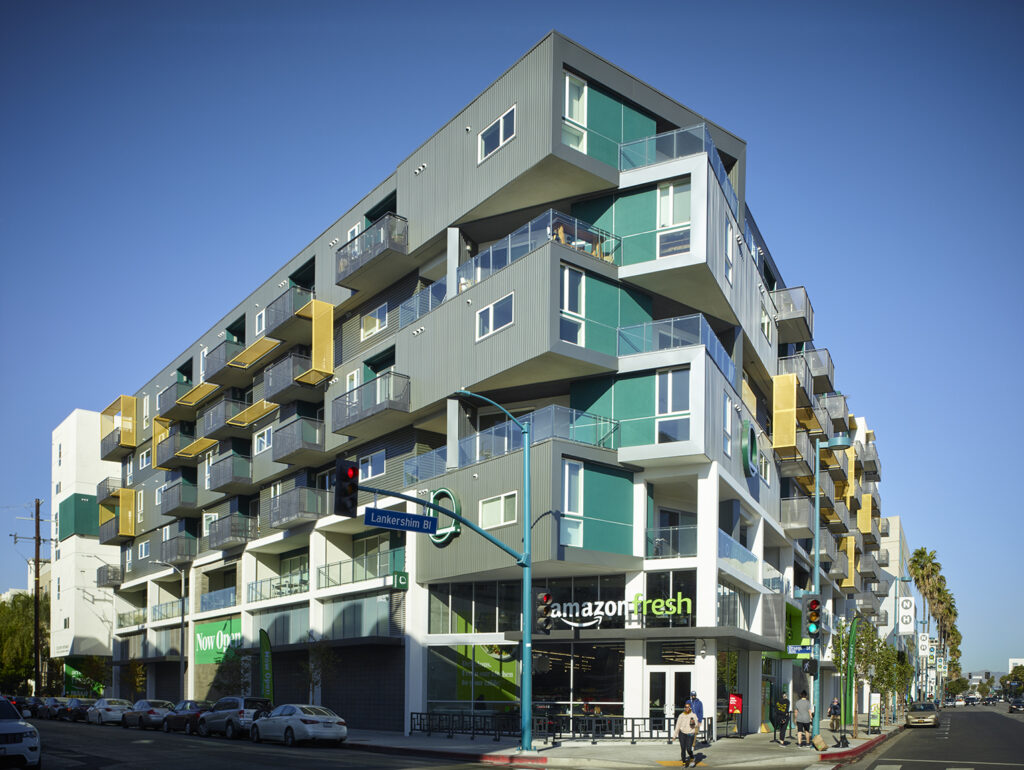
column 108, row 576
column 299, row 504
column 178, row 497
column 299, row 435
column 233, row 529
column 822, row 369
column 389, row 233
column 279, row 379
column 230, row 469
column 217, row 358
column 361, row 568
column 282, row 309
column 215, row 417
column 218, row 600
column 272, row 588
column 107, row 488
column 168, row 397
column 671, row 542
column 179, row 549
column 390, row 390
column 672, row 333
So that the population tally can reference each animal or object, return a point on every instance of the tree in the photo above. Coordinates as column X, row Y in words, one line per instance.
column 133, row 678
column 318, row 668
column 17, row 642
column 957, row 686
column 228, row 679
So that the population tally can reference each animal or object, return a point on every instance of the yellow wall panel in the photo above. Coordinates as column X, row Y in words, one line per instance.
column 126, row 512
column 749, row 398
column 323, row 337
column 784, row 415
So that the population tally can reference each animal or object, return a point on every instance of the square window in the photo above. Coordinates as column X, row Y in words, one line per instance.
column 498, row 511
column 570, row 532
column 374, row 321
column 263, row 440
column 494, row 317
column 372, row 466
column 497, row 134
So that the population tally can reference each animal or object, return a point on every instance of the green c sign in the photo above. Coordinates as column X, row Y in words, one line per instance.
column 748, row 442
column 446, row 499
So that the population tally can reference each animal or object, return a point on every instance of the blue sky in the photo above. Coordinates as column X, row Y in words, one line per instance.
column 160, row 159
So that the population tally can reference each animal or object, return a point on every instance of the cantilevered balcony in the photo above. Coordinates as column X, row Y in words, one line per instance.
column 283, row 323
column 232, row 475
column 871, row 491
column 217, row 369
column 108, row 576
column 795, row 316
column 799, row 461
column 826, row 547
column 231, row 530
column 380, row 405
column 840, row 565
column 835, row 465
column 838, row 521
column 835, row 406
column 180, row 549
column 883, row 618
column 883, row 557
column 299, row 505
column 868, row 604
column 798, row 517
column 867, row 566
column 673, row 333
column 118, row 429
column 375, row 257
column 179, row 499
column 119, row 529
column 114, row 446
column 299, row 442
column 180, row 436
column 170, row 407
column 107, row 489
column 883, row 527
column 872, row 467
column 280, row 384
column 805, row 382
column 822, row 370
column 214, row 420
column 880, row 587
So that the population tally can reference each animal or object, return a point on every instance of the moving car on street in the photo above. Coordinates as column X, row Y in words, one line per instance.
column 146, row 713
column 1016, row 705
column 18, row 739
column 185, row 716
column 922, row 714
column 293, row 723
column 107, row 710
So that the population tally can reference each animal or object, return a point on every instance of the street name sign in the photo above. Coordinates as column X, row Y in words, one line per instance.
column 798, row 649
column 407, row 522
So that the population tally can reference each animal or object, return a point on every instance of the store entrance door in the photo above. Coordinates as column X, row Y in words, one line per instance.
column 668, row 690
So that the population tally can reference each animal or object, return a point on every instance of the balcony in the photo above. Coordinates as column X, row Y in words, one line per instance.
column 299, row 505
column 180, row 549
column 119, row 529
column 872, row 467
column 671, row 542
column 194, row 397
column 822, row 369
column 879, row 588
column 134, row 617
column 836, row 464
column 736, row 558
column 867, row 566
column 798, row 517
column 376, row 256
column 217, row 369
column 794, row 315
column 168, row 610
column 797, row 461
column 273, row 588
column 835, row 407
column 867, row 604
column 506, row 437
column 231, row 530
column 280, row 380
column 168, row 449
column 826, row 547
column 774, row 580
column 214, row 420
column 840, row 566
column 113, row 447
column 108, row 576
column 672, row 333
column 550, row 226
column 422, row 302
column 179, row 499
column 883, row 528
column 300, row 442
column 362, row 568
column 805, row 382
column 883, row 618
column 883, row 557
column 282, row 319
column 232, row 475
column 679, row 143
column 107, row 489
column 380, row 405
column 169, row 402
column 117, row 427
column 838, row 521
column 218, row 600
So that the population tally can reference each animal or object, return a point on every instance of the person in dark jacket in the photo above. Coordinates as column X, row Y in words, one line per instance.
column 780, row 719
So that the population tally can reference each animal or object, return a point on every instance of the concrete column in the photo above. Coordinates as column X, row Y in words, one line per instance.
column 750, row 686
column 417, row 602
column 705, row 677
column 707, row 547
column 454, row 254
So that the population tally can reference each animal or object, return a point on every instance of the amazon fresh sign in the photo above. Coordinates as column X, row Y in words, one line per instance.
column 587, row 614
column 214, row 639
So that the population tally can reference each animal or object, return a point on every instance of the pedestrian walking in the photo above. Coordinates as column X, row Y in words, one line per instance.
column 686, row 732
column 698, row 709
column 835, row 711
column 780, row 719
column 802, row 716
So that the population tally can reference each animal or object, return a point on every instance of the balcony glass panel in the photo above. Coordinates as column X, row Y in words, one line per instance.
column 286, row 585
column 422, row 302
column 774, row 580
column 672, row 542
column 389, row 232
column 363, row 568
column 672, row 333
column 218, row 600
column 171, row 609
column 734, row 555
column 131, row 618
column 549, row 226
column 389, row 391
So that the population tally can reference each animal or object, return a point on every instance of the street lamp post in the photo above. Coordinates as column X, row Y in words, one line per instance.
column 841, row 441
column 181, row 638
column 526, row 683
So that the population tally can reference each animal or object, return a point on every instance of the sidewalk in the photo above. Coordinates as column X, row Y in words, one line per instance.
column 754, row 750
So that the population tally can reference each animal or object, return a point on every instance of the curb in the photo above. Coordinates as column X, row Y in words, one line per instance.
column 508, row 760
column 850, row 754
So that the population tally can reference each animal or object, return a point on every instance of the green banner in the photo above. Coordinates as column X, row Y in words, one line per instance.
column 266, row 667
column 213, row 639
column 77, row 683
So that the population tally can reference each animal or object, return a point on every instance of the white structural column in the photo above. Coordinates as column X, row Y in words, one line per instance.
column 705, row 678
column 416, row 618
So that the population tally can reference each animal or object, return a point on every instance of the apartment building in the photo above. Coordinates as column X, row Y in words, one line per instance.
column 577, row 247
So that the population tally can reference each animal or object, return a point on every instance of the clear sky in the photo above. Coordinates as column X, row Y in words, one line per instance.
column 160, row 159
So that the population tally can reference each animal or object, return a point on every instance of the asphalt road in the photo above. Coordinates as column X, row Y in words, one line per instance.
column 79, row 746
column 967, row 738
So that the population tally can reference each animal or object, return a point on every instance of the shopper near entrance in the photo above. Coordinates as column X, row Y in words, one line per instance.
column 686, row 732
column 698, row 709
column 834, row 712
column 802, row 716
column 780, row 719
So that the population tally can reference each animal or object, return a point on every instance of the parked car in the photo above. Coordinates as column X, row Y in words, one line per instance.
column 922, row 714
column 19, row 739
column 107, row 710
column 293, row 723
column 78, row 708
column 185, row 716
column 1017, row 704
column 961, row 702
column 20, row 703
column 146, row 713
column 33, row 703
column 53, row 706
column 233, row 715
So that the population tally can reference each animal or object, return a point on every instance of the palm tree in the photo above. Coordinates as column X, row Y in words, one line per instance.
column 926, row 570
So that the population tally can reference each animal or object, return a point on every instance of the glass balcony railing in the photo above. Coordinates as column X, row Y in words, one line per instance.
column 131, row 618
column 549, row 226
column 171, row 609
column 734, row 555
column 672, row 542
column 774, row 580
column 362, row 568
column 390, row 232
column 286, row 585
column 422, row 302
column 794, row 314
column 549, row 422
column 680, row 143
column 822, row 369
column 390, row 390
column 218, row 600
column 672, row 333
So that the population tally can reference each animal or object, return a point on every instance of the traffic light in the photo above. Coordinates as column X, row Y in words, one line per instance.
column 346, row 487
column 544, row 619
column 811, row 615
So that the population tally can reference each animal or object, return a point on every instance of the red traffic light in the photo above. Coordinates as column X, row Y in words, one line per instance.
column 350, row 472
column 544, row 598
column 814, row 605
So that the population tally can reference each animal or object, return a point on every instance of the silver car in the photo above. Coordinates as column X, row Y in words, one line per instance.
column 233, row 715
column 107, row 710
column 293, row 723
column 147, row 713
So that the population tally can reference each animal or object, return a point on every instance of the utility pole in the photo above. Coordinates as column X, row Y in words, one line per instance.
column 38, row 687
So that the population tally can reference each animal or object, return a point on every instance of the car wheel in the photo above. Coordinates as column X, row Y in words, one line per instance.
column 188, row 727
column 124, row 723
column 229, row 731
column 166, row 726
column 254, row 734
column 203, row 729
column 289, row 738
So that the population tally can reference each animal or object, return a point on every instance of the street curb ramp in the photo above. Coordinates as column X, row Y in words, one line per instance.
column 845, row 757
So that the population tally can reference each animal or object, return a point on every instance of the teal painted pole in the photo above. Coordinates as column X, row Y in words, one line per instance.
column 816, row 722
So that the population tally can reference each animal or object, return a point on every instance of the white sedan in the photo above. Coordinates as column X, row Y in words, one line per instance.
column 291, row 723
column 107, row 710
column 19, row 741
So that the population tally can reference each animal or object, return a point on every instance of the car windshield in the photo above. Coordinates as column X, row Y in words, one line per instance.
column 318, row 711
column 203, row 705
column 86, row 701
column 259, row 704
column 7, row 711
column 118, row 702
column 922, row 707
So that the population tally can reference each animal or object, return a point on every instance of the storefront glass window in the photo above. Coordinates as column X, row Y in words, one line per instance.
column 462, row 608
column 438, row 623
column 473, row 677
column 486, row 602
column 672, row 585
column 510, row 600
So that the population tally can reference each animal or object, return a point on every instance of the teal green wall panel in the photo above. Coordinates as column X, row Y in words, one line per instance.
column 602, row 311
column 595, row 396
column 636, row 212
column 604, row 115
column 603, row 149
column 78, row 515
column 634, row 408
column 639, row 248
column 636, row 125
column 635, row 307
column 607, row 509
column 599, row 211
